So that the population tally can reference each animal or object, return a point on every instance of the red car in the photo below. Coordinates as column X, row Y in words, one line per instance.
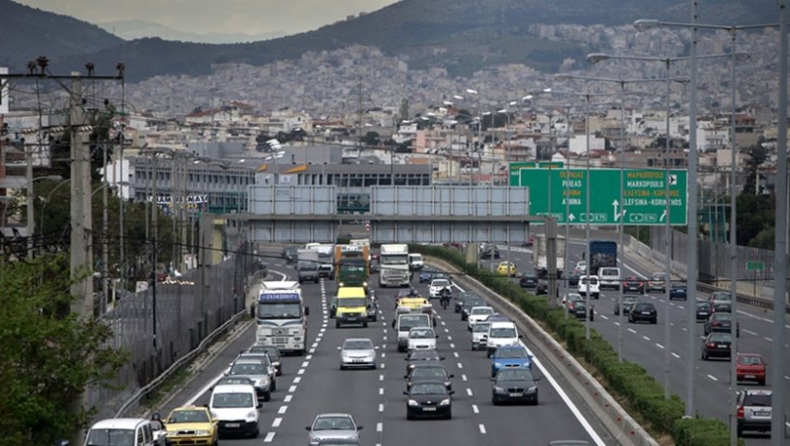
column 750, row 367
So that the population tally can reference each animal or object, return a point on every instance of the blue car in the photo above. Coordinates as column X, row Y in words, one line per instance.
column 678, row 290
column 510, row 356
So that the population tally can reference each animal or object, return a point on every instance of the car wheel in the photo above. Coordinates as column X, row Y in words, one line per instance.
column 256, row 433
column 337, row 324
column 494, row 401
column 274, row 385
column 535, row 403
column 216, row 442
column 449, row 414
column 409, row 416
column 365, row 325
column 704, row 356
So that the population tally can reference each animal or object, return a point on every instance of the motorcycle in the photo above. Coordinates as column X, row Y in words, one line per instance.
column 445, row 298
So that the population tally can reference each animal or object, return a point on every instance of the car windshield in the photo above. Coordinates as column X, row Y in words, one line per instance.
column 428, row 389
column 247, row 368
column 188, row 416
column 722, row 317
column 473, row 302
column 227, row 400
column 719, row 337
column 421, row 333
column 722, row 297
column 333, row 424
column 438, row 275
column 279, row 310
column 263, row 357
column 630, row 299
column 703, row 306
column 350, row 302
column 423, row 354
column 514, row 375
column 482, row 310
column 658, row 277
column 394, row 259
column 574, row 296
column 750, row 360
column 352, row 268
column 408, row 321
column 429, row 372
column 678, row 285
column 760, row 400
column 481, row 327
column 512, row 353
column 234, row 380
column 111, row 437
column 358, row 344
column 643, row 307
column 503, row 333
column 590, row 280
column 440, row 282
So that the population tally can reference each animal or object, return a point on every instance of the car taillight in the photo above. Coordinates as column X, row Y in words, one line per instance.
column 714, row 323
column 711, row 344
column 740, row 412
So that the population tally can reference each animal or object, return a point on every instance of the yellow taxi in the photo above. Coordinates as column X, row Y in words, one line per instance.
column 191, row 425
column 414, row 304
column 506, row 269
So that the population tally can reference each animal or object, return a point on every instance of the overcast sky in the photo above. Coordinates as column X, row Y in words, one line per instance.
column 215, row 16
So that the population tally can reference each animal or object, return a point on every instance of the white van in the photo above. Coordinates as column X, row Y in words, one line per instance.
column 592, row 283
column 415, row 262
column 123, row 432
column 610, row 277
column 236, row 408
column 501, row 334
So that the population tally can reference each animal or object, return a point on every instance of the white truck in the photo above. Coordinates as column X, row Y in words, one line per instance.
column 326, row 260
column 281, row 316
column 394, row 261
column 539, row 255
column 307, row 265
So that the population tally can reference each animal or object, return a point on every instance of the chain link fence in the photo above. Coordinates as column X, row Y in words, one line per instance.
column 186, row 313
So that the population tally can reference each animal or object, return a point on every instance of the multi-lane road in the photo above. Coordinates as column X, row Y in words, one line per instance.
column 646, row 344
column 314, row 384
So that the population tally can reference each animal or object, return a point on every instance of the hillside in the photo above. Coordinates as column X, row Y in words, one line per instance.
column 461, row 35
column 27, row 33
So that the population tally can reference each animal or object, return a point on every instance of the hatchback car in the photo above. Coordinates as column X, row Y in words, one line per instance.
column 257, row 372
column 750, row 367
column 489, row 251
column 480, row 335
column 529, row 280
column 754, row 410
column 477, row 314
column 717, row 345
column 508, row 357
column 506, row 269
column 721, row 322
column 469, row 304
column 429, row 399
column 439, row 287
column 422, row 338
column 422, row 357
column 590, row 284
column 191, row 425
column 629, row 300
column 267, row 362
column 426, row 275
column 634, row 284
column 702, row 310
column 721, row 307
column 332, row 425
column 578, row 308
column 720, row 296
column 357, row 353
column 461, row 298
column 429, row 372
column 514, row 385
column 643, row 311
column 678, row 290
column 657, row 282
column 274, row 355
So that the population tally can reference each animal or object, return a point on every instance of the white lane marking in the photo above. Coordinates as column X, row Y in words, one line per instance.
column 282, row 410
column 449, row 338
column 381, row 407
column 768, row 339
column 460, row 366
column 659, row 346
column 288, row 398
column 308, row 357
column 443, row 323
column 632, row 330
column 269, row 437
column 749, row 332
column 297, row 380
column 381, row 390
column 646, row 338
column 381, row 377
column 305, row 364
column 475, row 409
column 482, row 428
column 713, row 377
column 603, row 317
column 385, row 337
column 452, row 345
column 300, row 372
column 382, row 365
column 770, row 321
column 292, row 389
column 312, row 350
column 455, row 354
column 463, row 377
column 323, row 329
column 277, row 422
column 379, row 427
column 787, row 377
column 676, row 355
column 383, row 354
column 617, row 323
column 469, row 391
column 681, row 307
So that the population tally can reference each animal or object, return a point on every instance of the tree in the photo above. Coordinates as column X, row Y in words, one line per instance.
column 371, row 139
column 48, row 355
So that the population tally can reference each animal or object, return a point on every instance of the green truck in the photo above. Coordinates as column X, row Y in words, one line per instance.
column 353, row 265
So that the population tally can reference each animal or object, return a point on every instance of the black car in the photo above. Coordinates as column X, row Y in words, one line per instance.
column 469, row 304
column 489, row 251
column 529, row 280
column 274, row 355
column 634, row 284
column 643, row 311
column 703, row 311
column 289, row 253
column 573, row 280
column 717, row 345
column 629, row 300
column 578, row 308
column 721, row 323
column 721, row 307
column 429, row 372
column 462, row 297
column 514, row 385
column 421, row 357
column 429, row 399
column 678, row 290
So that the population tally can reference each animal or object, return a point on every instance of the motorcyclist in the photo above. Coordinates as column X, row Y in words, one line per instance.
column 444, row 298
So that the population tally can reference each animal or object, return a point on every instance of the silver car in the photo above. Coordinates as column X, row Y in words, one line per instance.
column 332, row 425
column 358, row 352
column 256, row 372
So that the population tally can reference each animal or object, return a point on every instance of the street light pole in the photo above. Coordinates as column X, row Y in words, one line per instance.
column 587, row 219
column 667, row 245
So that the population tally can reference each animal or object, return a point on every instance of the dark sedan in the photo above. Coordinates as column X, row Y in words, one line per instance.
column 629, row 300
column 573, row 280
column 429, row 399
column 462, row 298
column 678, row 290
column 514, row 385
column 471, row 303
column 721, row 307
column 721, row 323
column 528, row 280
column 426, row 274
column 289, row 253
column 422, row 357
column 717, row 345
column 703, row 311
column 429, row 372
column 643, row 311
column 578, row 308
column 634, row 284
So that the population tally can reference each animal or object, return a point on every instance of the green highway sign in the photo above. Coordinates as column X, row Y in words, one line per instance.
column 755, row 265
column 636, row 195
column 515, row 168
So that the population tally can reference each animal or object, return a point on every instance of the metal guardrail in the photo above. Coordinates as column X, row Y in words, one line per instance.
column 623, row 428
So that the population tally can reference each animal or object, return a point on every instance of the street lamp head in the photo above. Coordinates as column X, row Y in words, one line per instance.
column 502, row 111
column 448, row 103
column 512, row 103
column 597, row 57
column 547, row 90
column 471, row 91
column 526, row 98
column 645, row 24
column 458, row 97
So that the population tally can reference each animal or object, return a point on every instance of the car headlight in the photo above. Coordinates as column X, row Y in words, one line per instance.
column 413, row 403
column 341, row 284
column 499, row 390
column 364, row 284
column 263, row 381
column 445, row 402
column 497, row 364
column 251, row 416
column 533, row 389
column 201, row 432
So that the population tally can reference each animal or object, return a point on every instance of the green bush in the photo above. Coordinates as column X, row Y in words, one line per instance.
column 629, row 381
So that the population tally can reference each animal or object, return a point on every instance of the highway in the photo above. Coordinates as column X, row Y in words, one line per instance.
column 645, row 344
column 313, row 384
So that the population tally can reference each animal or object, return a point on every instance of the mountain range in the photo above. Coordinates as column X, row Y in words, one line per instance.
column 462, row 36
column 139, row 29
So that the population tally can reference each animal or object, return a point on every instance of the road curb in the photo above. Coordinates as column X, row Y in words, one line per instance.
column 620, row 425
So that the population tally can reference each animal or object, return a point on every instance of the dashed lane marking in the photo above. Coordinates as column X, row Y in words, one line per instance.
column 277, row 422
column 269, row 437
column 381, row 390
column 482, row 428
column 288, row 398
column 749, row 332
column 300, row 372
column 475, row 409
column 460, row 366
column 768, row 339
column 381, row 377
column 603, row 317
column 452, row 345
column 381, row 407
column 305, row 364
column 469, row 391
column 297, row 380
column 463, row 377
column 713, row 377
column 379, row 427
column 632, row 330
column 292, row 389
column 677, row 356
column 659, row 346
column 282, row 410
column 455, row 354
